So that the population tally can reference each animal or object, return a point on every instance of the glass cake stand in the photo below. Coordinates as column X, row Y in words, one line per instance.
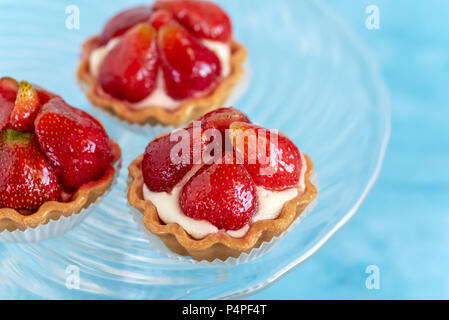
column 310, row 78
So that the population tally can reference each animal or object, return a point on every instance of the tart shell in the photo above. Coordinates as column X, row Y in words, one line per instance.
column 11, row 220
column 219, row 245
column 190, row 109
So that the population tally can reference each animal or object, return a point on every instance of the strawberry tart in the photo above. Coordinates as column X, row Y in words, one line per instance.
column 55, row 160
column 167, row 63
column 221, row 186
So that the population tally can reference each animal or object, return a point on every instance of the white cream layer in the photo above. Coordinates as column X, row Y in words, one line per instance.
column 159, row 96
column 269, row 207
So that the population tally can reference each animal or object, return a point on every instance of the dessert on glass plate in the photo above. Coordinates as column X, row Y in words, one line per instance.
column 168, row 63
column 55, row 161
column 220, row 187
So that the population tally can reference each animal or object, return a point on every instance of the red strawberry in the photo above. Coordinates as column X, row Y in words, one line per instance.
column 75, row 143
column 5, row 111
column 277, row 170
column 223, row 194
column 44, row 95
column 189, row 67
column 8, row 89
column 222, row 118
column 26, row 107
column 130, row 69
column 162, row 172
column 124, row 21
column 8, row 93
column 26, row 179
column 203, row 18
column 159, row 18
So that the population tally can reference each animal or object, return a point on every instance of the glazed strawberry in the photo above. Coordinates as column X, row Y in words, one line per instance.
column 44, row 95
column 160, row 17
column 75, row 143
column 5, row 111
column 26, row 178
column 223, row 194
column 26, row 107
column 189, row 67
column 8, row 93
column 130, row 69
column 160, row 172
column 124, row 21
column 277, row 170
column 203, row 18
column 222, row 118
column 8, row 89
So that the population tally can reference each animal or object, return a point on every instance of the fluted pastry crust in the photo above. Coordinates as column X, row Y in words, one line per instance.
column 11, row 219
column 219, row 245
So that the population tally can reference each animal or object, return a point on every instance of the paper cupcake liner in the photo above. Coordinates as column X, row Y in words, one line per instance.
column 54, row 228
column 159, row 246
column 148, row 129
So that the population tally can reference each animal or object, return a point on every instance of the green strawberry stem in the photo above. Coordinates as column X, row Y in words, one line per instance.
column 16, row 136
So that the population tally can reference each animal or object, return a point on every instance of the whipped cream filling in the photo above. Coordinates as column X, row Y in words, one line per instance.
column 269, row 206
column 159, row 96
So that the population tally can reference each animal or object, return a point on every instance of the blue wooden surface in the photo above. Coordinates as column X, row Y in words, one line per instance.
column 403, row 227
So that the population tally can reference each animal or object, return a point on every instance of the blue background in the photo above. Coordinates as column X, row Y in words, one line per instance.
column 403, row 225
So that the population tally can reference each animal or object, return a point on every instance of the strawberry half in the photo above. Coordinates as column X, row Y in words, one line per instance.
column 129, row 71
column 124, row 21
column 44, row 95
column 189, row 67
column 222, row 118
column 26, row 108
column 26, row 179
column 159, row 18
column 5, row 111
column 203, row 18
column 8, row 89
column 161, row 172
column 8, row 93
column 75, row 143
column 278, row 170
column 223, row 194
